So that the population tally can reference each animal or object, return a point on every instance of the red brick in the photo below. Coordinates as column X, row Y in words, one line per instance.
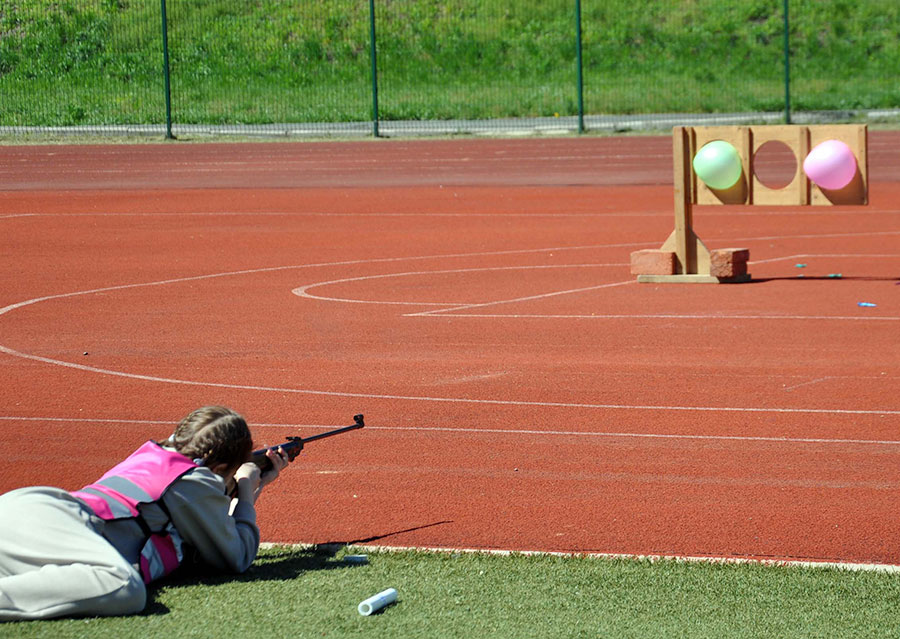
column 728, row 262
column 653, row 262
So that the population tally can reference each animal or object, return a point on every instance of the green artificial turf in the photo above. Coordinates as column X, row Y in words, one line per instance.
column 292, row 592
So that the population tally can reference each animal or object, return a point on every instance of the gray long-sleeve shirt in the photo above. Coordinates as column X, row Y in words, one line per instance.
column 200, row 513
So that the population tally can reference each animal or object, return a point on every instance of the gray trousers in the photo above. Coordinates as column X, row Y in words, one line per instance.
column 54, row 562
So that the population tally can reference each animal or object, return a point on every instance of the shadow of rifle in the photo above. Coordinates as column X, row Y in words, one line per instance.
column 283, row 563
column 333, row 547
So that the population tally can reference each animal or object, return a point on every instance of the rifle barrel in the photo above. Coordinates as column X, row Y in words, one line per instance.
column 329, row 433
column 259, row 458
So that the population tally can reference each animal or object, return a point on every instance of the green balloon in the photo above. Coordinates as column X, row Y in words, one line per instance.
column 718, row 165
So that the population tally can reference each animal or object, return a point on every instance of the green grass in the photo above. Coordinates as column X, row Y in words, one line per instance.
column 300, row 593
column 66, row 62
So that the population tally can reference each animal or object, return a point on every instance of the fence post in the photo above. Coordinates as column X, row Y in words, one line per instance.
column 374, row 68
column 787, row 66
column 165, row 43
column 578, row 62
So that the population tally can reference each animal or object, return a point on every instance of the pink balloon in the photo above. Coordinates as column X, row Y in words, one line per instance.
column 831, row 165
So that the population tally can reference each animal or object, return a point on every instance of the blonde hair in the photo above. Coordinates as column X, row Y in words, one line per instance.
column 215, row 435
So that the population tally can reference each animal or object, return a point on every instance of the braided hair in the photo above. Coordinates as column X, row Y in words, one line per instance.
column 215, row 435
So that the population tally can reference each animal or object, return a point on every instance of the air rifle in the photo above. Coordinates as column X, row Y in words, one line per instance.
column 294, row 445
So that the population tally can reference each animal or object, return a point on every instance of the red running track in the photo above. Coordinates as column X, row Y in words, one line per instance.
column 473, row 299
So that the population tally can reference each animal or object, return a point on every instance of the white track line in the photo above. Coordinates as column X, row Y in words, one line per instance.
column 775, row 563
column 303, row 291
column 803, row 256
column 807, row 236
column 809, row 383
column 449, row 309
column 491, row 431
column 600, row 316
column 520, row 299
column 600, row 213
column 464, row 400
column 447, row 400
column 871, row 567
column 493, row 215
column 272, row 269
column 569, row 433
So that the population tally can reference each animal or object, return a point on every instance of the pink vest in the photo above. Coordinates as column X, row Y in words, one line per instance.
column 142, row 479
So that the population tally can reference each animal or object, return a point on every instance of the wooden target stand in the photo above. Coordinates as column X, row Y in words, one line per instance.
column 684, row 257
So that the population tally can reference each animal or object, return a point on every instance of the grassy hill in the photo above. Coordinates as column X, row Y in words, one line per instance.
column 100, row 61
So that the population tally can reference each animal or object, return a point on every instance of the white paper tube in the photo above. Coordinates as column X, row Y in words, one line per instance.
column 377, row 602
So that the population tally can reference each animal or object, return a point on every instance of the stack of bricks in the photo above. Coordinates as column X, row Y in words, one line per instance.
column 724, row 263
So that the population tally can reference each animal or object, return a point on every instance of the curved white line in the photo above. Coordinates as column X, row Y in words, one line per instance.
column 303, row 291
column 271, row 269
column 461, row 400
column 495, row 402
column 711, row 316
column 448, row 308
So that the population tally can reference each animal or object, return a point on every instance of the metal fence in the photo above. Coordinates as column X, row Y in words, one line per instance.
column 363, row 67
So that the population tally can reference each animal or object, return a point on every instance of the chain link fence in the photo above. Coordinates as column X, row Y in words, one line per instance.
column 363, row 67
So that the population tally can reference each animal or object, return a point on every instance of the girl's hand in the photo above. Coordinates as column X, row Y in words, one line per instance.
column 279, row 460
column 248, row 479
